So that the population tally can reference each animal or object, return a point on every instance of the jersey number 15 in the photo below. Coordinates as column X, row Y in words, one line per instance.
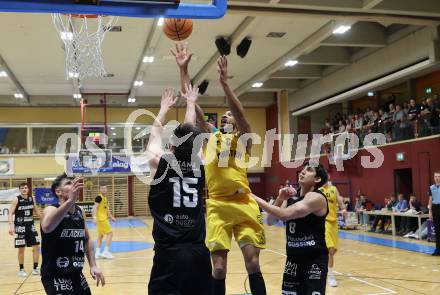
column 191, row 195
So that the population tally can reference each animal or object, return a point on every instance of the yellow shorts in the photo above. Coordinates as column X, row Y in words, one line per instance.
column 103, row 227
column 238, row 215
column 331, row 234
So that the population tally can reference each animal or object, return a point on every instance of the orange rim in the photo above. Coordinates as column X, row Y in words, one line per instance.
column 82, row 15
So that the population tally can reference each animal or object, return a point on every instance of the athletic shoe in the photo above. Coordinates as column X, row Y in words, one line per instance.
column 36, row 271
column 332, row 281
column 107, row 255
column 98, row 255
column 436, row 253
column 409, row 235
column 22, row 273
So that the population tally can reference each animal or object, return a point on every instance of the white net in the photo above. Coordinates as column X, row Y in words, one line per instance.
column 82, row 36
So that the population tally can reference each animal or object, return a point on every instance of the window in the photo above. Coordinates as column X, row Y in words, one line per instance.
column 13, row 140
column 116, row 138
column 44, row 139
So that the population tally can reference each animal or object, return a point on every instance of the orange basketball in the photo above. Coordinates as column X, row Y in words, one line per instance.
column 178, row 29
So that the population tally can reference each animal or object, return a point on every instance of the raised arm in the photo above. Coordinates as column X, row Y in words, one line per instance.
column 52, row 216
column 281, row 201
column 11, row 216
column 233, row 101
column 312, row 203
column 205, row 126
column 154, row 147
column 182, row 59
column 190, row 95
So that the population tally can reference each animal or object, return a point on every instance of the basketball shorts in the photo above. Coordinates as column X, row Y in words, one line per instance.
column 239, row 215
column 305, row 275
column 181, row 270
column 74, row 284
column 26, row 236
column 331, row 234
column 103, row 227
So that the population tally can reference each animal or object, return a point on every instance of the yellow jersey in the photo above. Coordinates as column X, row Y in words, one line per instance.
column 330, row 192
column 225, row 166
column 101, row 212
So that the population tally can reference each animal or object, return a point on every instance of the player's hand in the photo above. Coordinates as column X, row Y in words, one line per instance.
column 97, row 275
column 181, row 54
column 77, row 186
column 191, row 93
column 168, row 99
column 286, row 192
column 222, row 67
column 11, row 230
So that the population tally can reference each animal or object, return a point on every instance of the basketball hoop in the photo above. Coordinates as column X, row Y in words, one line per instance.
column 82, row 35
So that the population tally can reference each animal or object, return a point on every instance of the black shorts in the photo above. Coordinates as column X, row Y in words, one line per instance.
column 26, row 236
column 181, row 271
column 73, row 284
column 305, row 275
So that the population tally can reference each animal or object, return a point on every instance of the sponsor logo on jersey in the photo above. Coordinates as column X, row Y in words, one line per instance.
column 20, row 229
column 73, row 233
column 61, row 284
column 315, row 272
column 169, row 218
column 63, row 262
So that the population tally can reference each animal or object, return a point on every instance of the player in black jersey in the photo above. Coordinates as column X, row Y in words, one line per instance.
column 304, row 212
column 181, row 262
column 65, row 241
column 22, row 224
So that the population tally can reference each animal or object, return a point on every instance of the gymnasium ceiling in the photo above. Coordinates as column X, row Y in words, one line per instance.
column 33, row 54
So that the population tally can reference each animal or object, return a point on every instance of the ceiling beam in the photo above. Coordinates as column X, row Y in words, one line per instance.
column 361, row 35
column 279, row 84
column 368, row 4
column 327, row 56
column 240, row 32
column 299, row 72
column 149, row 50
column 354, row 14
column 13, row 79
column 306, row 46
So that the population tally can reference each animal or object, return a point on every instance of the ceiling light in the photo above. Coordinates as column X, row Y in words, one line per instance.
column 290, row 63
column 138, row 83
column 131, row 100
column 77, row 95
column 66, row 36
column 138, row 128
column 18, row 95
column 73, row 75
column 257, row 84
column 112, row 128
column 370, row 93
column 3, row 74
column 160, row 21
column 341, row 30
column 148, row 59
column 114, row 133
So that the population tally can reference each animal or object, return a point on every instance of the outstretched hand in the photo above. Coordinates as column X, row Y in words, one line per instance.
column 181, row 54
column 287, row 192
column 77, row 186
column 191, row 93
column 168, row 99
column 222, row 68
column 97, row 275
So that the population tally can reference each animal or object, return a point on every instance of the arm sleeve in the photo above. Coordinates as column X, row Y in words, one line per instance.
column 98, row 199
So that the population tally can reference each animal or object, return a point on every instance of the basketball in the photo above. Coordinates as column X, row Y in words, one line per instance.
column 178, row 29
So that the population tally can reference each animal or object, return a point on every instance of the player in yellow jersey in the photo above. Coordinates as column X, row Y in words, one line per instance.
column 101, row 214
column 335, row 201
column 230, row 207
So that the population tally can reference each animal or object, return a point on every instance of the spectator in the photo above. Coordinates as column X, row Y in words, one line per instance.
column 400, row 206
column 409, row 224
column 413, row 116
column 341, row 127
column 383, row 220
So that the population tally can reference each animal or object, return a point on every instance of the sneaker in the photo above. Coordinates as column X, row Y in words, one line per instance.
column 98, row 255
column 22, row 273
column 436, row 253
column 409, row 235
column 36, row 271
column 332, row 281
column 107, row 255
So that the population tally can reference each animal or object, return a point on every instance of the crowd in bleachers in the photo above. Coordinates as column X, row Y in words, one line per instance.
column 396, row 121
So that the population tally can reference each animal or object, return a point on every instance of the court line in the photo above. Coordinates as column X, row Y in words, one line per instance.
column 388, row 291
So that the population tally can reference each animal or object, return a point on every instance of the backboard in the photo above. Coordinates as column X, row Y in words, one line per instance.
column 129, row 8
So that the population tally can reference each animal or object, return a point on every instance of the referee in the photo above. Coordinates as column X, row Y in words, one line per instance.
column 434, row 210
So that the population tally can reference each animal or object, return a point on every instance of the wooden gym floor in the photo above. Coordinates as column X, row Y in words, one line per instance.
column 363, row 264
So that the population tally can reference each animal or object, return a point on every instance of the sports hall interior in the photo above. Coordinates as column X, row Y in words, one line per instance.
column 298, row 77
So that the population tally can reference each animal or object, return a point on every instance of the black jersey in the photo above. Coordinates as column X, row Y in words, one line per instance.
column 176, row 203
column 63, row 249
column 306, row 235
column 24, row 212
